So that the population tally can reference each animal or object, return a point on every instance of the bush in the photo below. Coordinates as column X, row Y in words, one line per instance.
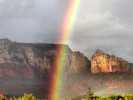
column 2, row 98
column 128, row 97
column 25, row 97
column 28, row 97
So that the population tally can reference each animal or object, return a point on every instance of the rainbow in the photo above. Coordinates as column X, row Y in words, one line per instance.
column 64, row 35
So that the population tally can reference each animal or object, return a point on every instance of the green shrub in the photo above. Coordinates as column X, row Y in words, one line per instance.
column 13, row 98
column 128, row 97
column 25, row 97
column 2, row 98
column 28, row 97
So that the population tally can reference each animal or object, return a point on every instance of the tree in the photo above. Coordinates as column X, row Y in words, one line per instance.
column 90, row 93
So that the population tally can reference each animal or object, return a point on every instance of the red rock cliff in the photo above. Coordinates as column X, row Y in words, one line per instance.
column 77, row 62
column 18, row 59
column 101, row 62
column 40, row 56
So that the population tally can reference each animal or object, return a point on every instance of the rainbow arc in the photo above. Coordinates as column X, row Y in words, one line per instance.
column 64, row 35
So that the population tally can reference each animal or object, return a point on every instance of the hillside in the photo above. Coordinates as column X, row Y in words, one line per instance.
column 28, row 67
column 102, row 84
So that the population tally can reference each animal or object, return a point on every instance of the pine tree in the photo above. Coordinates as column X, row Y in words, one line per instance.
column 89, row 93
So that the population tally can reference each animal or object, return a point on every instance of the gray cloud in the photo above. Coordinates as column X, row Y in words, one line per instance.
column 100, row 24
column 15, row 8
column 105, row 25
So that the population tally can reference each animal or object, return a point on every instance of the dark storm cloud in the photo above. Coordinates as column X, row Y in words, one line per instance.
column 100, row 24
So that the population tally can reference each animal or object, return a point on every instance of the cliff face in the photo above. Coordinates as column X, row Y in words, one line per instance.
column 20, row 59
column 37, row 62
column 101, row 62
column 16, row 58
column 77, row 62
column 18, row 71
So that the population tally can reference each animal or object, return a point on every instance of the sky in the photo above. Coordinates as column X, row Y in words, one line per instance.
column 106, row 25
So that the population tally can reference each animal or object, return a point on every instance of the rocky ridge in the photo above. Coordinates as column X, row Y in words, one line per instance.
column 101, row 62
column 78, row 62
column 28, row 60
column 26, row 57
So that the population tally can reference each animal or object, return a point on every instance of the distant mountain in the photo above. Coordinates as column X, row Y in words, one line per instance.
column 109, row 75
column 20, row 62
column 28, row 67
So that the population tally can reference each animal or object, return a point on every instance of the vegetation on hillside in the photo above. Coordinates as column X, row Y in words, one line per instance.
column 25, row 97
column 91, row 96
column 102, row 83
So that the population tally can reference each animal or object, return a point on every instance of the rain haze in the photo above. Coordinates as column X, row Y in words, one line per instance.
column 106, row 25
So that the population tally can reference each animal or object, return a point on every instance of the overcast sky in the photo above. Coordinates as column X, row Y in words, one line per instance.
column 106, row 25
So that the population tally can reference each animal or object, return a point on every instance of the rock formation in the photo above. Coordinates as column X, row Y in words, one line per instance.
column 27, row 68
column 23, row 57
column 77, row 62
column 18, row 71
column 101, row 62
column 39, row 58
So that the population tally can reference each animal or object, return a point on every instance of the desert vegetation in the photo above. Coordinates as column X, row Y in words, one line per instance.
column 111, row 97
column 25, row 97
column 89, row 96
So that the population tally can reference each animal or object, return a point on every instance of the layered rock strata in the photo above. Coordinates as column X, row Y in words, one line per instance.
column 18, row 71
column 101, row 62
column 40, row 56
column 27, row 57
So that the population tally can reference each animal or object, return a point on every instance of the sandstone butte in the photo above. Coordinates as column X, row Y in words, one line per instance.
column 101, row 62
column 35, row 61
column 32, row 60
column 38, row 60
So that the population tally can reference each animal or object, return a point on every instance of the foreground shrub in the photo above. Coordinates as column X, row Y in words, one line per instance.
column 2, row 98
column 128, row 97
column 25, row 97
column 28, row 97
column 116, row 97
